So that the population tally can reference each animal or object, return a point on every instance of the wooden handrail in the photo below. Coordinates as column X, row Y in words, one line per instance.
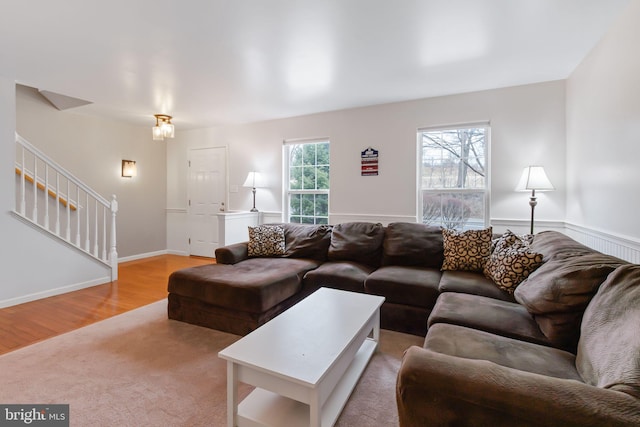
column 51, row 193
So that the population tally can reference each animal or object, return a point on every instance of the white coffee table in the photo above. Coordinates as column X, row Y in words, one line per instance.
column 305, row 362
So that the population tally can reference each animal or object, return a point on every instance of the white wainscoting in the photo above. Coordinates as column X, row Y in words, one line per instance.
column 270, row 217
column 622, row 247
column 524, row 226
column 233, row 227
column 383, row 219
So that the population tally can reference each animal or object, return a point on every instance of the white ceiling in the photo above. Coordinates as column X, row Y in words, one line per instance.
column 216, row 62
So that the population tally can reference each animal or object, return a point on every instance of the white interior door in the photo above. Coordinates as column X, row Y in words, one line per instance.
column 207, row 190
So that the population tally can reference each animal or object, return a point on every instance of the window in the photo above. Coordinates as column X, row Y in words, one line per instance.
column 453, row 176
column 307, row 172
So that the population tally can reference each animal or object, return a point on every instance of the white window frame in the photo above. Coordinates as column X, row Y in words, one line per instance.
column 286, row 191
column 487, row 195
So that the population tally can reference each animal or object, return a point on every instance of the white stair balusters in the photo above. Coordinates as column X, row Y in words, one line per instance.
column 44, row 185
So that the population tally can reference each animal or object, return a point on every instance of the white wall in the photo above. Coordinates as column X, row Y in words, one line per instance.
column 603, row 133
column 92, row 149
column 527, row 125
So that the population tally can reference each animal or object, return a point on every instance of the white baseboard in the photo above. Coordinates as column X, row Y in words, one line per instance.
column 179, row 253
column 52, row 292
column 142, row 256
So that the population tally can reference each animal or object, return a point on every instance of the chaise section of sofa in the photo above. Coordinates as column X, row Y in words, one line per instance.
column 239, row 293
column 239, row 297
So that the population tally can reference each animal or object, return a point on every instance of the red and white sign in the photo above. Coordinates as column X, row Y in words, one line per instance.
column 369, row 162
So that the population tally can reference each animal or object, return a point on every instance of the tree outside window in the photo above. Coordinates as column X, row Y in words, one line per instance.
column 453, row 184
column 308, row 182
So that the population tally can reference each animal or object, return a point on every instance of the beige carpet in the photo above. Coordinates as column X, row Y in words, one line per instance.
column 141, row 369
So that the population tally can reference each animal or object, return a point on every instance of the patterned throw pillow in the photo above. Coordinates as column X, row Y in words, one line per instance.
column 526, row 238
column 511, row 262
column 266, row 240
column 468, row 250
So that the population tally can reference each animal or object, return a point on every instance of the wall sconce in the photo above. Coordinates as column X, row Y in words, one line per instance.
column 163, row 128
column 129, row 169
column 534, row 178
column 254, row 179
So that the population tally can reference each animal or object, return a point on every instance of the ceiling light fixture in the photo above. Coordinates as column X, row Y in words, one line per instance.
column 163, row 128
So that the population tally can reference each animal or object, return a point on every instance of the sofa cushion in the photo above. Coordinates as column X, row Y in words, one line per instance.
column 609, row 348
column 357, row 241
column 345, row 275
column 565, row 285
column 407, row 243
column 558, row 292
column 473, row 283
column 266, row 240
column 511, row 262
column 254, row 285
column 307, row 240
column 470, row 343
column 553, row 244
column 466, row 250
column 504, row 318
column 414, row 286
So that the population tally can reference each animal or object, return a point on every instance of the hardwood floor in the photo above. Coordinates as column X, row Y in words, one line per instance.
column 139, row 283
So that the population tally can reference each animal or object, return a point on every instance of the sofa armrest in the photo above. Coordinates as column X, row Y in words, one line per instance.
column 436, row 389
column 232, row 254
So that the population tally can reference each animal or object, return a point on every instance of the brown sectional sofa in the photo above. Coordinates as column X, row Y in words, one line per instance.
column 549, row 354
column 400, row 262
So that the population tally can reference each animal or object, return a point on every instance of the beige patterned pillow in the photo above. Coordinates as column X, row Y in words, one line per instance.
column 266, row 240
column 467, row 250
column 511, row 262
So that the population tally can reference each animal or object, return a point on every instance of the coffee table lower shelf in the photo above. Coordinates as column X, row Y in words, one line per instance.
column 265, row 408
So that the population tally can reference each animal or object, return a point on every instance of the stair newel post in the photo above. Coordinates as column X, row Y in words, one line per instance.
column 78, row 217
column 95, row 233
column 23, row 176
column 34, row 216
column 68, row 233
column 104, row 234
column 46, row 192
column 57, row 204
column 113, row 254
column 87, row 237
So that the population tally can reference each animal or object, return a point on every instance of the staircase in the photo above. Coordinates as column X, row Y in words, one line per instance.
column 53, row 200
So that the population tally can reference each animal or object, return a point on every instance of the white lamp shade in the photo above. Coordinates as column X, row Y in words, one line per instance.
column 254, row 180
column 157, row 133
column 168, row 130
column 534, row 178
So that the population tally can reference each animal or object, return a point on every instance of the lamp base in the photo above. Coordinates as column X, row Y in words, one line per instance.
column 253, row 209
column 532, row 202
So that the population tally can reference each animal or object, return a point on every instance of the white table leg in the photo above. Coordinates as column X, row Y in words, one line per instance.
column 232, row 393
column 376, row 327
column 315, row 414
